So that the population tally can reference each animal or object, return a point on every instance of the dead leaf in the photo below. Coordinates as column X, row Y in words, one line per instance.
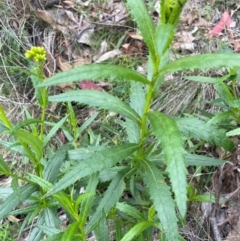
column 224, row 22
column 50, row 18
column 236, row 44
column 89, row 85
column 109, row 55
column 135, row 36
column 191, row 16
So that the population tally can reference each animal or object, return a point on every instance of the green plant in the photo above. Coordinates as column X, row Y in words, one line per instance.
column 149, row 165
column 5, row 233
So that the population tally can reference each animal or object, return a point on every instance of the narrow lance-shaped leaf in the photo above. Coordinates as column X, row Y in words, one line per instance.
column 102, row 100
column 200, row 130
column 202, row 62
column 15, row 199
column 70, row 232
column 164, row 37
column 111, row 197
column 145, row 24
column 87, row 203
column 33, row 141
column 162, row 199
column 167, row 133
column 95, row 72
column 97, row 162
column 136, row 231
column 53, row 131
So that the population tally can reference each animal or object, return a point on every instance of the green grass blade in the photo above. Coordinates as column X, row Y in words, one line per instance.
column 14, row 199
column 167, row 133
column 95, row 72
column 202, row 62
column 98, row 161
column 136, row 231
column 102, row 100
column 144, row 21
column 162, row 199
column 111, row 197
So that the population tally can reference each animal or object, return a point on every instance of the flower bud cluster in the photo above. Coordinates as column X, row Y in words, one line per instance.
column 36, row 53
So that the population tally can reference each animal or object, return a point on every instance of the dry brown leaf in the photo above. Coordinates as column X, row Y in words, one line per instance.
column 47, row 17
column 193, row 15
column 63, row 64
column 109, row 55
column 135, row 36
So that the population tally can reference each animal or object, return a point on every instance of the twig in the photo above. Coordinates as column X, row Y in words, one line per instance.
column 216, row 233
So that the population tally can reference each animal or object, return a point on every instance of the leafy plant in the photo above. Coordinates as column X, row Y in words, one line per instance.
column 149, row 165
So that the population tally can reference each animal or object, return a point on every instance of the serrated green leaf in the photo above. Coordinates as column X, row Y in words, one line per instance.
column 53, row 131
column 137, row 97
column 37, row 234
column 15, row 199
column 24, row 123
column 51, row 219
column 33, row 141
column 136, row 231
column 86, row 123
column 235, row 132
column 234, row 103
column 202, row 62
column 162, row 199
column 203, row 198
column 49, row 231
column 4, row 169
column 167, row 133
column 86, row 204
column 111, row 197
column 101, row 231
column 45, row 185
column 219, row 117
column 95, row 72
column 98, row 161
column 200, row 160
column 202, row 79
column 53, row 165
column 66, row 203
column 198, row 129
column 5, row 192
column 164, row 37
column 99, row 99
column 55, row 237
column 130, row 210
column 137, row 102
column 144, row 21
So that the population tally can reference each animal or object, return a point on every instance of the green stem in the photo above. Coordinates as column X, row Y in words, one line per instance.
column 44, row 107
